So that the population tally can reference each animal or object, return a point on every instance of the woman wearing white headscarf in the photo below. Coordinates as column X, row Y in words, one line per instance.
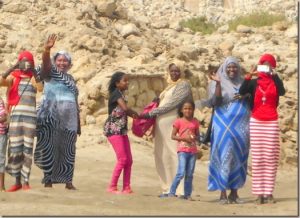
column 230, row 132
column 165, row 152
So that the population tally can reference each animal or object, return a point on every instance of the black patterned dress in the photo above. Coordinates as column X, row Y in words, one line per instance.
column 57, row 127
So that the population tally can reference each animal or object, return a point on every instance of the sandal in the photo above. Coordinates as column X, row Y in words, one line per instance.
column 14, row 188
column 259, row 200
column 270, row 199
column 70, row 186
column 26, row 187
column 223, row 201
column 113, row 190
column 127, row 190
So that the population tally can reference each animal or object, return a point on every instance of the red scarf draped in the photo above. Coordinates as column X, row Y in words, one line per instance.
column 13, row 94
column 13, row 97
column 267, row 110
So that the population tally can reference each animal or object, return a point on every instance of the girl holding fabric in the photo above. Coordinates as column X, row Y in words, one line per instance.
column 229, row 135
column 165, row 152
column 264, row 130
column 58, row 119
column 21, row 82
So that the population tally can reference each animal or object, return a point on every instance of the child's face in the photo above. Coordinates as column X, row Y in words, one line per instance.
column 123, row 83
column 187, row 110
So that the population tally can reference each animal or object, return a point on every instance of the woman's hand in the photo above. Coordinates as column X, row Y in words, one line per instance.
column 253, row 71
column 50, row 41
column 215, row 77
column 144, row 116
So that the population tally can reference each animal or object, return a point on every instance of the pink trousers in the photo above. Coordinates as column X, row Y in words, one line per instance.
column 122, row 149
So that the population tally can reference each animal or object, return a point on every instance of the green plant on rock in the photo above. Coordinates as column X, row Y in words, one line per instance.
column 199, row 24
column 257, row 19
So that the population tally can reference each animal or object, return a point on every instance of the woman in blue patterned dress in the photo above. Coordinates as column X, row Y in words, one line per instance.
column 58, row 119
column 230, row 132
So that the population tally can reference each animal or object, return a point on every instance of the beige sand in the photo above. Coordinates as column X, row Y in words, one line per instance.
column 94, row 163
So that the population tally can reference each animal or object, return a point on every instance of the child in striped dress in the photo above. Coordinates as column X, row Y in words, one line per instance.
column 22, row 84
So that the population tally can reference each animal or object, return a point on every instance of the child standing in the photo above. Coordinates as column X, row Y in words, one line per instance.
column 115, row 129
column 186, row 132
column 3, row 142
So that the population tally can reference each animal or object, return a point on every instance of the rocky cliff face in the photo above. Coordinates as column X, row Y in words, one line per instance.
column 141, row 37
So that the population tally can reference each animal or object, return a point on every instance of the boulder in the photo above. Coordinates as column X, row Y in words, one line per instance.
column 106, row 7
column 243, row 29
column 226, row 46
column 127, row 30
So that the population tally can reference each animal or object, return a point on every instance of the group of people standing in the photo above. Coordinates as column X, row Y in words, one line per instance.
column 55, row 123
column 244, row 118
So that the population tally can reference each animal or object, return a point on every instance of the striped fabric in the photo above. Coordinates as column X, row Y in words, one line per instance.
column 57, row 127
column 22, row 129
column 264, row 140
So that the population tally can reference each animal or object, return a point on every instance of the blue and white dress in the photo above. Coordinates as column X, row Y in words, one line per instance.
column 57, row 127
column 229, row 146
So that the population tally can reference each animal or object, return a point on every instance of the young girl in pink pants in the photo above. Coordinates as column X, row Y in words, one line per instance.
column 115, row 129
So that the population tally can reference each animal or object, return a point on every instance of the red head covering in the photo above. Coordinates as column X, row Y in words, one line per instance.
column 28, row 56
column 13, row 94
column 268, row 58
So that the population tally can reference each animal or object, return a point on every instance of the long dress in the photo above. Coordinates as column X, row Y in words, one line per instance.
column 165, row 149
column 229, row 146
column 57, row 125
column 22, row 131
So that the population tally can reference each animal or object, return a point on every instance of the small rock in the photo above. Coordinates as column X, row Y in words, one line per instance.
column 243, row 29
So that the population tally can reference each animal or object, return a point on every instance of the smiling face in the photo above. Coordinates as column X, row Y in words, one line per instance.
column 122, row 85
column 232, row 70
column 174, row 72
column 187, row 110
column 62, row 63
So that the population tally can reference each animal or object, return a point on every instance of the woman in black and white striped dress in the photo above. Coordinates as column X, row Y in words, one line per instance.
column 58, row 119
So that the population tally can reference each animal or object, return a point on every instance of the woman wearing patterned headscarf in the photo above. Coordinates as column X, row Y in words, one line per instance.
column 22, row 84
column 165, row 152
column 229, row 135
column 264, row 130
column 58, row 119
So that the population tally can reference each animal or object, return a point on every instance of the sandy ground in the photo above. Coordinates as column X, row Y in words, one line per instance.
column 94, row 163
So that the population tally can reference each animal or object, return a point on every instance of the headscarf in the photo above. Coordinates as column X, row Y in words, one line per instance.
column 181, row 66
column 64, row 53
column 229, row 86
column 268, row 58
column 13, row 94
column 265, row 79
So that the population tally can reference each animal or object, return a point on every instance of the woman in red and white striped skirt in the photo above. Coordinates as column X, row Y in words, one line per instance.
column 264, row 129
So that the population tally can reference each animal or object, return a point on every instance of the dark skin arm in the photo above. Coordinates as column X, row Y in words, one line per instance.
column 6, row 74
column 46, row 60
column 128, row 111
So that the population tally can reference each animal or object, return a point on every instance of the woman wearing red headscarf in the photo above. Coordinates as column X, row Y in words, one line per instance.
column 22, row 85
column 264, row 129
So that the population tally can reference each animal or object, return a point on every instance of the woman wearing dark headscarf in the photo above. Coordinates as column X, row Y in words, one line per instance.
column 21, row 81
column 229, row 136
column 58, row 119
column 264, row 130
